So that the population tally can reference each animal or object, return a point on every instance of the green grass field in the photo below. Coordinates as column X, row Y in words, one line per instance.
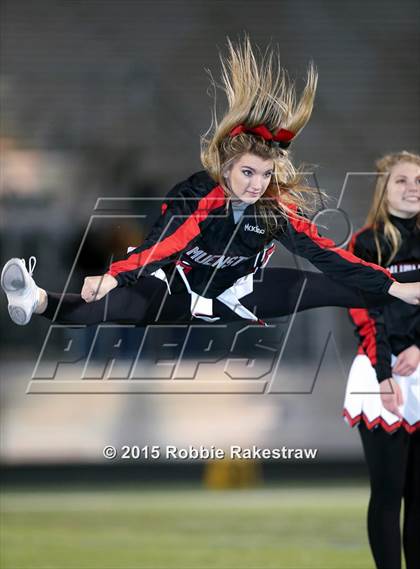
column 286, row 527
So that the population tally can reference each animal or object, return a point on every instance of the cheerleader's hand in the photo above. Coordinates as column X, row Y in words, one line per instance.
column 391, row 396
column 95, row 288
column 407, row 361
column 408, row 292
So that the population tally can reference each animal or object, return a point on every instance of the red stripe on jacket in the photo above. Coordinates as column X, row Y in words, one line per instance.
column 302, row 225
column 365, row 324
column 175, row 242
column 367, row 328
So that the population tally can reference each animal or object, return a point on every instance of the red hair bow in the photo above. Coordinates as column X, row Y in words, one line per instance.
column 282, row 137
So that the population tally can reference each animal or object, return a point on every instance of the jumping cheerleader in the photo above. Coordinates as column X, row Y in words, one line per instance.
column 216, row 230
column 388, row 414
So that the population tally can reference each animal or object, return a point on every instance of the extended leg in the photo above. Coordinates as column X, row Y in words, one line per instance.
column 278, row 292
column 137, row 304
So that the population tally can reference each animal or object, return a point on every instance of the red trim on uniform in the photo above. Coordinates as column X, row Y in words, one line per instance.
column 367, row 329
column 185, row 266
column 164, row 208
column 267, row 255
column 381, row 422
column 302, row 225
column 178, row 240
column 365, row 324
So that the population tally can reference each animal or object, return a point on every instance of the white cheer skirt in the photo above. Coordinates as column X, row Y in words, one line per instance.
column 363, row 402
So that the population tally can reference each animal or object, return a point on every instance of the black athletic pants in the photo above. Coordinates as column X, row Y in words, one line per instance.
column 277, row 292
column 394, row 470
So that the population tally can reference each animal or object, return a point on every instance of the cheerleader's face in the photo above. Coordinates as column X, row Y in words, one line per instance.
column 403, row 190
column 249, row 177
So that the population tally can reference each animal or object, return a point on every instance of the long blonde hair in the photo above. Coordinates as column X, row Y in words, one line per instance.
column 378, row 216
column 259, row 92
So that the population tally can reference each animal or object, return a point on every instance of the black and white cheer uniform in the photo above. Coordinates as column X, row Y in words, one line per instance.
column 384, row 332
column 202, row 256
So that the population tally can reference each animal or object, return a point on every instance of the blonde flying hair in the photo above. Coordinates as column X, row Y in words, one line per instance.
column 259, row 92
column 378, row 216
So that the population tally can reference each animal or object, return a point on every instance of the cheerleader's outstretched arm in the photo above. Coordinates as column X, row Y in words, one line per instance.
column 301, row 237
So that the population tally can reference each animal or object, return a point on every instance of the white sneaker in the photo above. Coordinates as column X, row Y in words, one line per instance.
column 20, row 288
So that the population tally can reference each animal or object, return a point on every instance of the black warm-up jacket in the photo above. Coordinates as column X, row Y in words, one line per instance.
column 393, row 328
column 197, row 229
